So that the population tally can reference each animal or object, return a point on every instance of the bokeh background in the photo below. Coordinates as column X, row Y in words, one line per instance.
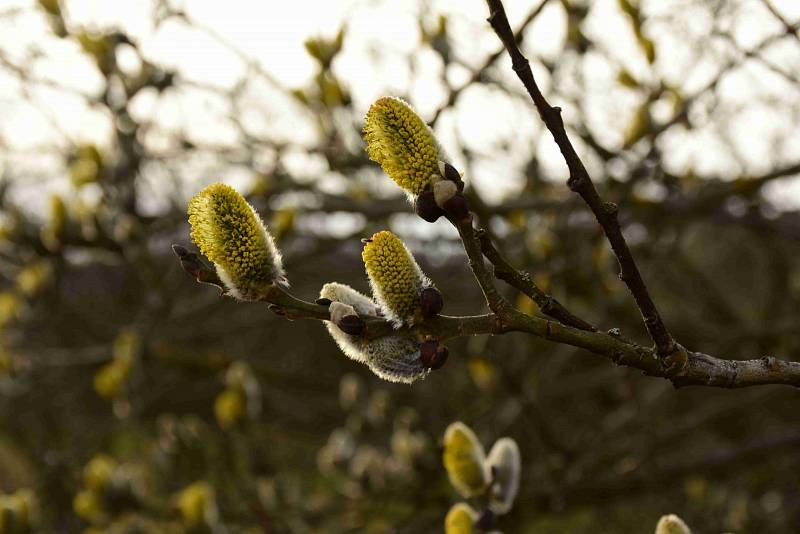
column 134, row 400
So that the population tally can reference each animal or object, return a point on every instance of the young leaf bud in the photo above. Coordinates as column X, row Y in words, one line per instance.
column 425, row 206
column 231, row 234
column 457, row 208
column 395, row 277
column 352, row 324
column 430, row 302
column 504, row 465
column 345, row 317
column 433, row 355
column 352, row 346
column 450, row 173
column 460, row 519
column 443, row 191
column 672, row 524
column 464, row 459
column 402, row 144
column 99, row 472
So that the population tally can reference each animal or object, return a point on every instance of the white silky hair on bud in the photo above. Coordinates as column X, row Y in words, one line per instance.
column 444, row 190
column 396, row 359
column 672, row 524
column 504, row 465
column 345, row 295
column 392, row 358
column 339, row 310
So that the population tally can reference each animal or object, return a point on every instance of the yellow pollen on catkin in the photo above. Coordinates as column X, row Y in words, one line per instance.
column 230, row 234
column 395, row 278
column 400, row 141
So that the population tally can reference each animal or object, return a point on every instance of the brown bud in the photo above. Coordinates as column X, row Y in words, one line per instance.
column 433, row 355
column 485, row 521
column 425, row 206
column 277, row 310
column 431, row 302
column 457, row 207
column 351, row 324
column 452, row 174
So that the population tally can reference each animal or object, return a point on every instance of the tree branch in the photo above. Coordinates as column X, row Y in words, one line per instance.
column 682, row 368
column 581, row 183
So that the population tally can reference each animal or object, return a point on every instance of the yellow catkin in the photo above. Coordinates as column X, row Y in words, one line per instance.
column 460, row 519
column 395, row 277
column 464, row 460
column 400, row 141
column 230, row 233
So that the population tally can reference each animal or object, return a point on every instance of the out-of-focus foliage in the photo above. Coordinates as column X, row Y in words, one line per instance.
column 134, row 400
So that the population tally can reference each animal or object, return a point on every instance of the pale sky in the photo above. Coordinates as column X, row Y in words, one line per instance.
column 272, row 33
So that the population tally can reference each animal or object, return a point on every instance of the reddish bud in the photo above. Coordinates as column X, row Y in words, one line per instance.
column 425, row 206
column 457, row 207
column 431, row 302
column 450, row 173
column 485, row 521
column 351, row 324
column 433, row 355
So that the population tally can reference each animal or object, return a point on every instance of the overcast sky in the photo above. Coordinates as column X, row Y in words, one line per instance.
column 272, row 34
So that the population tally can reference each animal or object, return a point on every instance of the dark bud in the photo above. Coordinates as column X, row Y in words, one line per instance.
column 433, row 355
column 323, row 302
column 352, row 324
column 431, row 302
column 457, row 207
column 277, row 310
column 450, row 173
column 425, row 206
column 486, row 521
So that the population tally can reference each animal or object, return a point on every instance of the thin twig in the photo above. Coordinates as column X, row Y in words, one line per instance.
column 581, row 183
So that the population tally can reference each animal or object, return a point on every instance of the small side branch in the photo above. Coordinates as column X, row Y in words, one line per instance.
column 581, row 183
column 522, row 281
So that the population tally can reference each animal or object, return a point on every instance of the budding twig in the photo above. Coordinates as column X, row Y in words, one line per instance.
column 581, row 183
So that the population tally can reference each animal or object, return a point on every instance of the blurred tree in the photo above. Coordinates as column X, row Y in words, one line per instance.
column 136, row 401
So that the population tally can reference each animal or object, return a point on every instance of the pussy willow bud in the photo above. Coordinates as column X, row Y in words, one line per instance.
column 443, row 191
column 394, row 358
column 672, row 524
column 464, row 459
column 457, row 208
column 460, row 519
column 18, row 512
column 430, row 302
column 99, row 473
column 395, row 277
column 346, row 318
column 450, row 173
column 197, row 504
column 433, row 355
column 504, row 465
column 231, row 234
column 404, row 146
column 230, row 407
column 425, row 206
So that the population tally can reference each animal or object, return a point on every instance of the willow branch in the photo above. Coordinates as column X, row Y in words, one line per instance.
column 581, row 183
column 522, row 281
column 689, row 368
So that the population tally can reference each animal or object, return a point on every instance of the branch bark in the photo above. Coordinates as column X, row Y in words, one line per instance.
column 581, row 183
